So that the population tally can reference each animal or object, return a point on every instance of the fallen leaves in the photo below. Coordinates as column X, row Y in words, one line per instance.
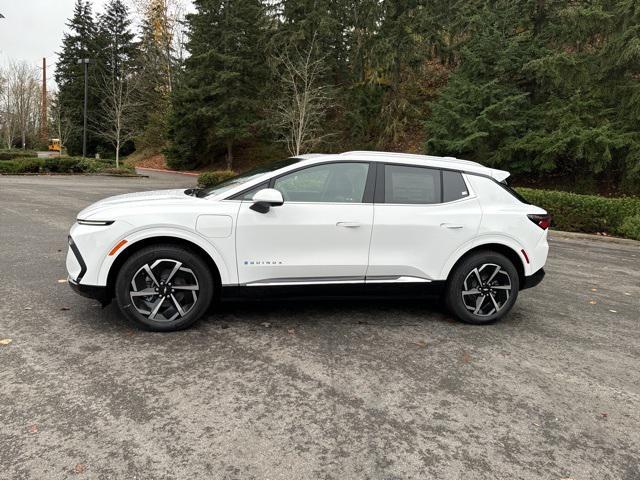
column 420, row 343
column 593, row 302
column 79, row 468
column 604, row 414
column 5, row 341
column 64, row 309
column 291, row 331
column 33, row 429
column 466, row 358
column 265, row 324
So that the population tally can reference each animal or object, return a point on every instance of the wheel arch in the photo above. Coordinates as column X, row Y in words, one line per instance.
column 501, row 248
column 138, row 245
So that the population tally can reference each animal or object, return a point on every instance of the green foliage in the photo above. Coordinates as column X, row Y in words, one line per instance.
column 65, row 165
column 216, row 101
column 588, row 213
column 25, row 165
column 541, row 89
column 109, row 44
column 79, row 42
column 630, row 227
column 14, row 153
column 209, row 179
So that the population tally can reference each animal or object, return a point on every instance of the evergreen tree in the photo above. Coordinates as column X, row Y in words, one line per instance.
column 546, row 87
column 78, row 43
column 116, row 115
column 158, row 66
column 117, row 50
column 218, row 98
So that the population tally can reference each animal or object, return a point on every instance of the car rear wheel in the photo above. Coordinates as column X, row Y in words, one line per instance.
column 164, row 288
column 482, row 288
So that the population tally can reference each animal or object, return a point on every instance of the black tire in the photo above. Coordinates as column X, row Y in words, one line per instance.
column 190, row 289
column 489, row 294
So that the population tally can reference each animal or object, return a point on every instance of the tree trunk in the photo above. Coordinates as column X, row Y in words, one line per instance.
column 118, row 154
column 229, row 155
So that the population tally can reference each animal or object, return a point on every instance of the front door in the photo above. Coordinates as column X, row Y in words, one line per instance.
column 319, row 235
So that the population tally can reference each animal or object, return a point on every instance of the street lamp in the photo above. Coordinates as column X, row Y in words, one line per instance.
column 85, row 62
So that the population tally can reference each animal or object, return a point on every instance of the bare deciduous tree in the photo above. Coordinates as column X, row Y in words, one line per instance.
column 6, row 116
column 117, row 121
column 304, row 101
column 19, row 103
column 60, row 122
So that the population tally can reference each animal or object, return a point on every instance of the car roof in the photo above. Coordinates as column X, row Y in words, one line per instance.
column 451, row 163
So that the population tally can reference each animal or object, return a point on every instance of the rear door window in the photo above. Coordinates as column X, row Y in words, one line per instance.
column 411, row 185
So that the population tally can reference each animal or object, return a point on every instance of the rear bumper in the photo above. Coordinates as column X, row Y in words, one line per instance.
column 533, row 280
column 91, row 291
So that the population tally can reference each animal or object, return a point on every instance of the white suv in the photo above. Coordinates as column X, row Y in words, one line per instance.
column 358, row 222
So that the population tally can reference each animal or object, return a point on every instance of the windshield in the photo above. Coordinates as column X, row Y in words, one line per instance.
column 246, row 177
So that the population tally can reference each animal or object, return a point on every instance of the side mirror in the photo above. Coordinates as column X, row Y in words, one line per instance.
column 266, row 198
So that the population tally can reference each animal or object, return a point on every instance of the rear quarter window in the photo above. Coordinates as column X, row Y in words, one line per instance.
column 453, row 186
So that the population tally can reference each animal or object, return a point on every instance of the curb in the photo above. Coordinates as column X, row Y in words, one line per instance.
column 162, row 170
column 97, row 174
column 559, row 234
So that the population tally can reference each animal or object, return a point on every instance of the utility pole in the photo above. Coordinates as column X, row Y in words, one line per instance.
column 85, row 62
column 44, row 124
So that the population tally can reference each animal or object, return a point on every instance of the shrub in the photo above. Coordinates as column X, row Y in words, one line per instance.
column 587, row 213
column 14, row 154
column 209, row 179
column 28, row 165
column 60, row 165
column 630, row 227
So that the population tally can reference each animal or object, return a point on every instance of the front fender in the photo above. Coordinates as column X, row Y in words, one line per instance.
column 487, row 239
column 227, row 272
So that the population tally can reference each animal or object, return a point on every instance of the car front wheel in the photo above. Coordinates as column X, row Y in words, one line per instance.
column 482, row 288
column 164, row 288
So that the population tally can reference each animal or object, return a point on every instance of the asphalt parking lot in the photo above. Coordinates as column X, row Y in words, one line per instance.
column 306, row 390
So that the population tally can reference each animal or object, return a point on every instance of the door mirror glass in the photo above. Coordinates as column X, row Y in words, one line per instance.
column 266, row 198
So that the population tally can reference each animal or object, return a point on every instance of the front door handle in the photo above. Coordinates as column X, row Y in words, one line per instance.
column 348, row 224
column 451, row 225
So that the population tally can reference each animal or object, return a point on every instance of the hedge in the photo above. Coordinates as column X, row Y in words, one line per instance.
column 61, row 165
column 209, row 179
column 14, row 154
column 588, row 213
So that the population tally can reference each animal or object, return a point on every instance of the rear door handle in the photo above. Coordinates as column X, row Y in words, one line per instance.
column 348, row 224
column 451, row 225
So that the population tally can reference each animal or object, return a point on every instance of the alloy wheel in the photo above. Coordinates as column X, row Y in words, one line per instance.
column 486, row 289
column 165, row 290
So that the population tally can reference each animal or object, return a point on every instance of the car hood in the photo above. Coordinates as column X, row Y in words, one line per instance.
column 136, row 199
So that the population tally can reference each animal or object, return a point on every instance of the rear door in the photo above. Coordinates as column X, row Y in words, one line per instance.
column 421, row 217
column 320, row 234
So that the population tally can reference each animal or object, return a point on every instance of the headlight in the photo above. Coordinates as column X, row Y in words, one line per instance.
column 95, row 223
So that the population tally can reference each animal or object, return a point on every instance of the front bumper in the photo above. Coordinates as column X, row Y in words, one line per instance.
column 533, row 280
column 91, row 291
column 77, row 267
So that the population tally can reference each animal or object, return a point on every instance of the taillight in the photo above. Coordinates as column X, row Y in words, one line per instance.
column 543, row 221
